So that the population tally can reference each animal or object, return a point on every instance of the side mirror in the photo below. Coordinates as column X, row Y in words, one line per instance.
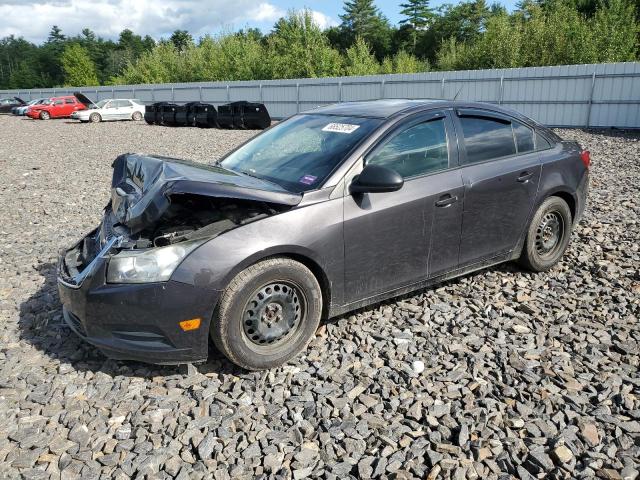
column 376, row 179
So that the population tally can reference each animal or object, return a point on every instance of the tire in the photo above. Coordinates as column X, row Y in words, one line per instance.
column 275, row 331
column 44, row 116
column 137, row 116
column 95, row 118
column 548, row 235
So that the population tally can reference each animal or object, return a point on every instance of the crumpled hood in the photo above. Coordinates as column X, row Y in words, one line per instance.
column 142, row 187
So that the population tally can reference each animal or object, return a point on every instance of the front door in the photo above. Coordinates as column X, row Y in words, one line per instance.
column 501, row 172
column 393, row 239
column 110, row 111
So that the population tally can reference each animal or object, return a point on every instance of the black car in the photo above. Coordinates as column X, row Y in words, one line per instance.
column 6, row 104
column 328, row 211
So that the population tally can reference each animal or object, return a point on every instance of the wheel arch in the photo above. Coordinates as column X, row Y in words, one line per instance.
column 560, row 192
column 298, row 254
column 568, row 198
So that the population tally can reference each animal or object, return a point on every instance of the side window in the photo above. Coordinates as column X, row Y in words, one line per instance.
column 419, row 149
column 486, row 138
column 70, row 101
column 524, row 137
column 541, row 142
column 58, row 102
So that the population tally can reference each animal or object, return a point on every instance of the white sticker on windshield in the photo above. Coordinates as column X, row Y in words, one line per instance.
column 340, row 128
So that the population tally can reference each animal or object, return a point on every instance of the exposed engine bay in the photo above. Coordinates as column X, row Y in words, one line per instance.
column 189, row 217
column 157, row 202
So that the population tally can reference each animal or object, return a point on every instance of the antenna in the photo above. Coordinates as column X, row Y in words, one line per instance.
column 456, row 97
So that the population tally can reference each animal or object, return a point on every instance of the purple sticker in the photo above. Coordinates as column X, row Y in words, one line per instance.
column 308, row 179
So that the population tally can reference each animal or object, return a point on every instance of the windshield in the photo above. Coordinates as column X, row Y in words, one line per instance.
column 300, row 153
column 101, row 104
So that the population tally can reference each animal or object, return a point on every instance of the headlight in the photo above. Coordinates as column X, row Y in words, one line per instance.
column 153, row 265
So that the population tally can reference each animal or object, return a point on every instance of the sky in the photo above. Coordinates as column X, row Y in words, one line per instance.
column 32, row 19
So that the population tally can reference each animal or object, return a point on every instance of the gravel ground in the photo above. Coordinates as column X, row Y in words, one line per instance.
column 499, row 374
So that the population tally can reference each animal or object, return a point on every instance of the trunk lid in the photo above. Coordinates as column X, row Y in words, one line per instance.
column 142, row 187
column 84, row 100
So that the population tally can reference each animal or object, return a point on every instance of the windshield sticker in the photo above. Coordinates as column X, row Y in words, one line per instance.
column 308, row 179
column 340, row 128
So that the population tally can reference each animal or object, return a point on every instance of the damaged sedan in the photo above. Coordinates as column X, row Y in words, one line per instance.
column 331, row 210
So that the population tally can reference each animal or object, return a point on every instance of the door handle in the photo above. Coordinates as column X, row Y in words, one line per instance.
column 446, row 200
column 524, row 177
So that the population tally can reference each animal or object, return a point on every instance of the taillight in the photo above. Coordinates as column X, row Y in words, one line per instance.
column 585, row 156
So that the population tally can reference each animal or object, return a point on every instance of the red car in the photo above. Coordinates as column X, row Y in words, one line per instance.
column 58, row 107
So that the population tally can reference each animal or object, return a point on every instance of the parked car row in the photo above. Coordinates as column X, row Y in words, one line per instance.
column 7, row 104
column 236, row 115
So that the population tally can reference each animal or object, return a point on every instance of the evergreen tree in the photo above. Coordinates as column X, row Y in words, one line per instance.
column 419, row 16
column 362, row 19
column 182, row 40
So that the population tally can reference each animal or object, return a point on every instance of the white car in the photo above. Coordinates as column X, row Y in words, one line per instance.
column 106, row 110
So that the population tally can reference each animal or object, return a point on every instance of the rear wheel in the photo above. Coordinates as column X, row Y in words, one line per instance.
column 548, row 235
column 137, row 116
column 95, row 118
column 268, row 314
column 44, row 116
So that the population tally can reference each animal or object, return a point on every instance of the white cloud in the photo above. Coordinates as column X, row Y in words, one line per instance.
column 33, row 19
column 322, row 20
column 265, row 12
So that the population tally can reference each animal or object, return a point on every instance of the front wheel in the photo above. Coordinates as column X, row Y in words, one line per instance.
column 95, row 118
column 548, row 235
column 268, row 314
column 137, row 116
column 44, row 116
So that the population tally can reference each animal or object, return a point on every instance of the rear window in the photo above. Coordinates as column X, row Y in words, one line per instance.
column 487, row 138
column 541, row 142
column 524, row 137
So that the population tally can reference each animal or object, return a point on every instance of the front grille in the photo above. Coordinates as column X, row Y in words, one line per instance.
column 80, row 261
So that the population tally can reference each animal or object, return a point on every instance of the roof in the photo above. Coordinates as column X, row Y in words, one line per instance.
column 389, row 107
column 374, row 108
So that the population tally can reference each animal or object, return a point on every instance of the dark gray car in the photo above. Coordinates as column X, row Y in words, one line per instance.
column 328, row 211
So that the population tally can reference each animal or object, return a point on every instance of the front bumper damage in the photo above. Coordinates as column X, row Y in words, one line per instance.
column 132, row 321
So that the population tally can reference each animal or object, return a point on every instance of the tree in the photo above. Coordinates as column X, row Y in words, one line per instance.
column 79, row 69
column 615, row 31
column 55, row 35
column 182, row 40
column 362, row 19
column 297, row 47
column 359, row 59
column 418, row 15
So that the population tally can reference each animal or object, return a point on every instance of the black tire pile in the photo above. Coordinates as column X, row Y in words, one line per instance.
column 236, row 115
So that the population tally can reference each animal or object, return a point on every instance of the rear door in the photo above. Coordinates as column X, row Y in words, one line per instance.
column 70, row 106
column 395, row 239
column 501, row 173
column 125, row 109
